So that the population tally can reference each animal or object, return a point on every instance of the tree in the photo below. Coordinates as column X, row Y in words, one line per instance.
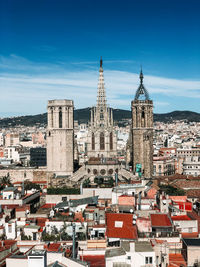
column 63, row 233
column 86, row 183
column 172, row 191
column 54, row 230
column 50, row 237
column 25, row 237
column 63, row 191
column 81, row 236
column 5, row 181
column 99, row 180
column 29, row 185
column 111, row 181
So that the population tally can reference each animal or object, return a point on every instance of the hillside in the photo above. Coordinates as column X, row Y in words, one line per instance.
column 83, row 115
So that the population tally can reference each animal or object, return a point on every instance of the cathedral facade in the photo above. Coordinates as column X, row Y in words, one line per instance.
column 142, row 131
column 102, row 139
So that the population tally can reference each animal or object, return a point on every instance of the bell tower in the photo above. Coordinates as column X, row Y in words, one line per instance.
column 142, row 131
column 60, row 137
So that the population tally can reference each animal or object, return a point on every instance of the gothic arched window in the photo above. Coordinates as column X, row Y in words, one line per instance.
column 102, row 141
column 60, row 117
column 111, row 141
column 143, row 117
column 143, row 114
column 52, row 117
column 93, row 141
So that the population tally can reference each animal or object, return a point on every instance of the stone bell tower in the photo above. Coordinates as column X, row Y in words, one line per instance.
column 60, row 137
column 142, row 131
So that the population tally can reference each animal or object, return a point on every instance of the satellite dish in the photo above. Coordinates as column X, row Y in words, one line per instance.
column 131, row 210
column 164, row 202
column 134, row 221
column 51, row 213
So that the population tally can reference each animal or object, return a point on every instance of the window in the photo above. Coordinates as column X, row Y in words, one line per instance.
column 148, row 260
column 111, row 141
column 93, row 141
column 10, row 228
column 34, row 236
column 51, row 117
column 102, row 142
column 190, row 230
column 60, row 117
column 143, row 114
column 154, row 169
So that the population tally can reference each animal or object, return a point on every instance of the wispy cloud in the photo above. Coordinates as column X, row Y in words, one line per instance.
column 26, row 86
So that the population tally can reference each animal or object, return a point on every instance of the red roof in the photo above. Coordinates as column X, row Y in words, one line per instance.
column 120, row 225
column 178, row 198
column 160, row 220
column 23, row 208
column 181, row 218
column 190, row 235
column 53, row 247
column 94, row 260
column 176, row 260
column 41, row 222
column 48, row 206
column 79, row 217
column 8, row 206
column 126, row 196
column 8, row 242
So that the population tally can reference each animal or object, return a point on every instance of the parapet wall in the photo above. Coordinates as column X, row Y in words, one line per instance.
column 21, row 174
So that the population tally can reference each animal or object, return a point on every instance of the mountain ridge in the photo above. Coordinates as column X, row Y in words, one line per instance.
column 121, row 117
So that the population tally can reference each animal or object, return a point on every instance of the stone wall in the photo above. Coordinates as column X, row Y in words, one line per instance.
column 21, row 174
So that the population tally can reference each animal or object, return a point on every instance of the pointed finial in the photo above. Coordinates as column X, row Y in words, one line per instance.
column 141, row 76
column 101, row 62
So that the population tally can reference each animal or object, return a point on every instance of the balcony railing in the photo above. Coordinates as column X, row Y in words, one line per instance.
column 156, row 235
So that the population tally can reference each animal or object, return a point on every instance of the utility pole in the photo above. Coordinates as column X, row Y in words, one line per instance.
column 74, row 241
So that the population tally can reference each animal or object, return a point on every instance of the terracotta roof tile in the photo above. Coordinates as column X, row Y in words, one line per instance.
column 190, row 235
column 120, row 225
column 94, row 260
column 160, row 220
column 181, row 218
column 176, row 260
column 48, row 206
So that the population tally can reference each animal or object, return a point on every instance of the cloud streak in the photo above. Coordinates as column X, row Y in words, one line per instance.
column 26, row 86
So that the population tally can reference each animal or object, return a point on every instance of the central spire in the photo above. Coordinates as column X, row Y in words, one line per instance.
column 141, row 77
column 101, row 62
column 101, row 94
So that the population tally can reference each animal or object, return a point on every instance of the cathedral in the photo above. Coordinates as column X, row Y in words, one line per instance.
column 101, row 140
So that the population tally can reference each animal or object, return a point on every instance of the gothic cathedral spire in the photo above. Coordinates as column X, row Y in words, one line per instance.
column 101, row 94
column 102, row 140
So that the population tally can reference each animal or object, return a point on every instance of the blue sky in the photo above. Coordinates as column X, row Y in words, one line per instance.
column 51, row 48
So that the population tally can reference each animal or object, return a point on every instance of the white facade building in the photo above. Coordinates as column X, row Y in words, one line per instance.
column 191, row 166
